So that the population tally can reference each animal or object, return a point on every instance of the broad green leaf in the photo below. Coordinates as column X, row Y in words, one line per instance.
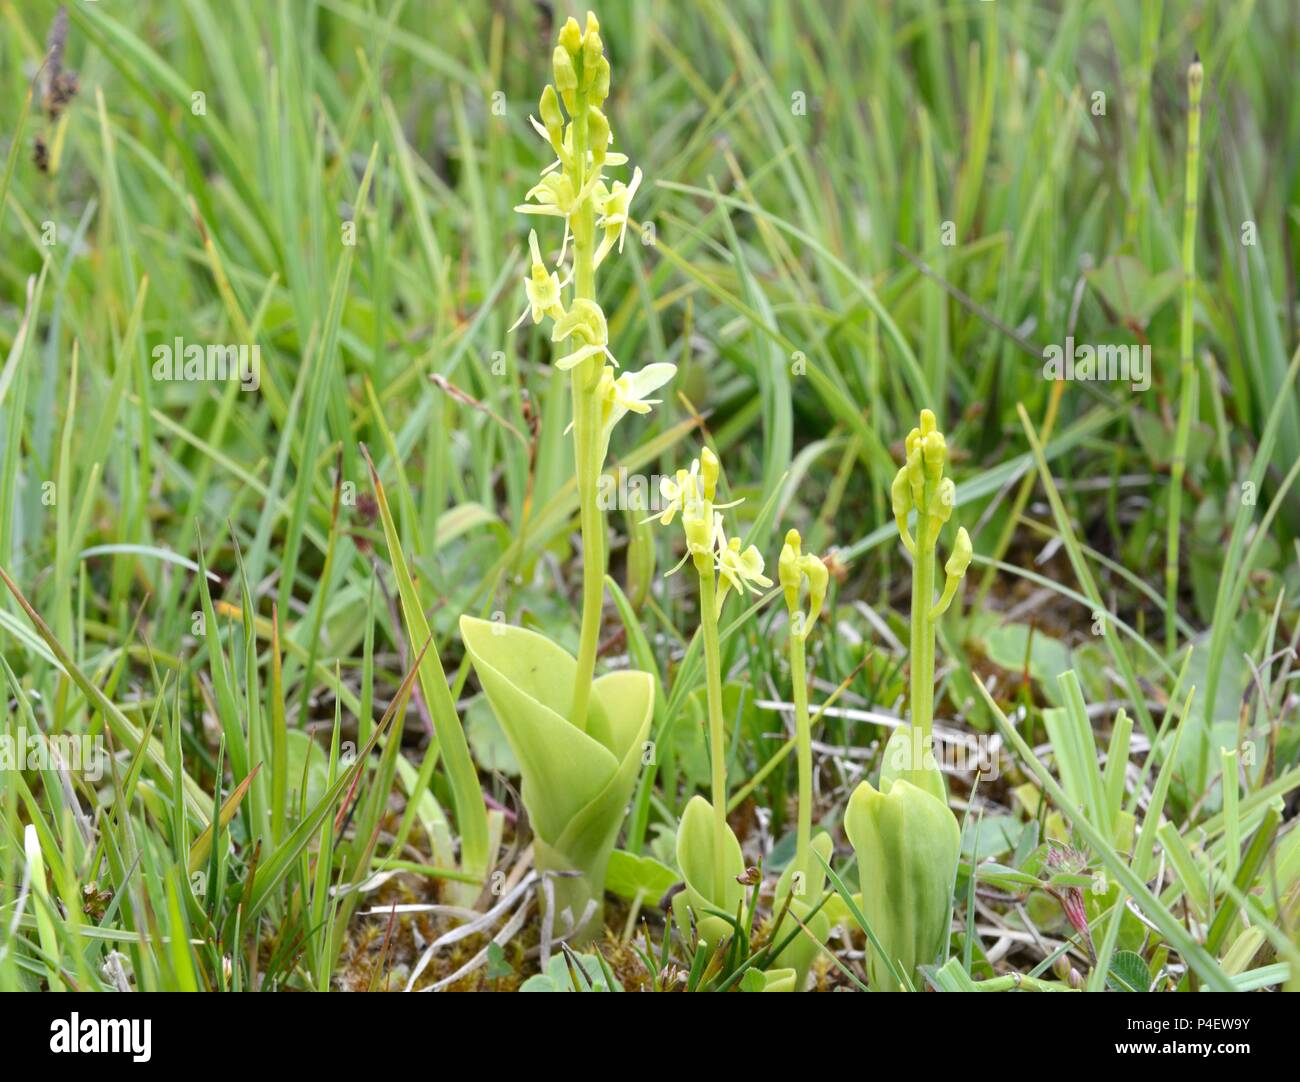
column 907, row 843
column 576, row 782
column 695, row 857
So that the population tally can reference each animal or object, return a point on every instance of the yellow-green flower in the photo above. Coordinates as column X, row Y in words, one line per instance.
column 627, row 394
column 742, row 570
column 584, row 322
column 676, row 490
column 793, row 567
column 614, row 208
column 542, row 287
column 554, row 196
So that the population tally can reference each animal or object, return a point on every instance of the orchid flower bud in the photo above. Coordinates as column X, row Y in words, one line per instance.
column 916, row 478
column 961, row 555
column 599, row 89
column 787, row 569
column 934, row 450
column 566, row 76
column 597, row 135
column 709, row 467
column 945, row 498
column 571, row 36
column 955, row 570
column 552, row 119
column 900, row 495
column 818, row 578
column 593, row 50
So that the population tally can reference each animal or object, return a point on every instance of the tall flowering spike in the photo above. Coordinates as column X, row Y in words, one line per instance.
column 574, row 189
column 576, row 735
column 802, row 885
column 921, row 487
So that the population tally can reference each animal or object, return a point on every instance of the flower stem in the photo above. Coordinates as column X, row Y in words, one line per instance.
column 922, row 645
column 803, row 739
column 586, row 435
column 717, row 737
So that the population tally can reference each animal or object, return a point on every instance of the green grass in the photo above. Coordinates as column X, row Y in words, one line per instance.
column 858, row 210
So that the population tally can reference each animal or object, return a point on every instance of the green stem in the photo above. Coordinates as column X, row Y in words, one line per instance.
column 803, row 738
column 586, row 436
column 717, row 737
column 922, row 645
column 1187, row 374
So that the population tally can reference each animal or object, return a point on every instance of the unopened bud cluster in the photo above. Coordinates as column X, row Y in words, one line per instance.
column 921, row 486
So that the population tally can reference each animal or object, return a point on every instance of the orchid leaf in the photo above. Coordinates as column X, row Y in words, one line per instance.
column 576, row 782
column 908, row 844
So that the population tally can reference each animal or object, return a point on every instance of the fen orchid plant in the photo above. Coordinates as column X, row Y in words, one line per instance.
column 708, row 853
column 803, row 882
column 577, row 737
column 906, row 837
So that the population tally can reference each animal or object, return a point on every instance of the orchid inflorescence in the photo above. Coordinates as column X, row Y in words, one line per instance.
column 793, row 569
column 693, row 493
column 570, row 189
column 920, row 486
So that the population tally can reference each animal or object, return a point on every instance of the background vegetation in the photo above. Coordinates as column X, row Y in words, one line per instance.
column 856, row 210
